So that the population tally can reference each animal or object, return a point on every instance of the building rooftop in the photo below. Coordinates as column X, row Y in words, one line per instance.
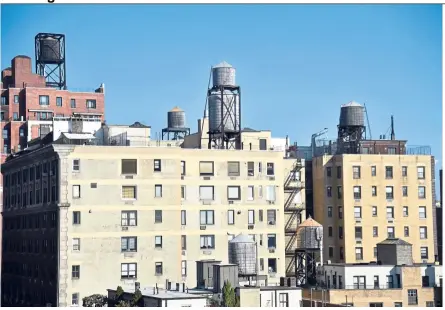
column 396, row 241
column 161, row 293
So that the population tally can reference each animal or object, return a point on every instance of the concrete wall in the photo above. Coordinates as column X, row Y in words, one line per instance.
column 271, row 298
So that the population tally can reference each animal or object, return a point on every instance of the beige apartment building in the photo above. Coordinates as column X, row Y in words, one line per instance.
column 363, row 199
column 81, row 218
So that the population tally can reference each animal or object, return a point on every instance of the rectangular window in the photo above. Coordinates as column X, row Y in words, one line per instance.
column 231, row 217
column 206, row 193
column 340, row 232
column 158, row 216
column 157, row 165
column 233, row 192
column 5, row 134
column 357, row 192
column 389, row 193
column 76, row 244
column 158, row 242
column 183, row 192
column 423, row 232
column 375, row 252
column 128, row 192
column 261, row 264
column 129, row 271
column 263, row 144
column 270, row 169
column 250, row 192
column 76, row 217
column 375, row 231
column 251, row 217
column 329, row 191
column 272, row 263
column 260, row 215
column 15, row 116
column 183, row 170
column 339, row 192
column 75, row 299
column 424, row 253
column 404, row 171
column 91, row 104
column 421, row 173
column 391, row 232
column 356, row 172
column 250, row 168
column 206, row 168
column 358, row 212
column 233, row 168
column 358, row 233
column 22, row 132
column 390, row 213
column 260, row 191
column 412, row 297
column 129, row 244
column 158, row 190
column 330, row 231
column 270, row 193
column 4, row 101
column 374, row 191
column 373, row 171
column 75, row 272
column 340, row 212
column 421, row 191
column 183, row 217
column 207, row 241
column 328, row 172
column 405, row 211
column 359, row 281
column 422, row 212
column 59, row 101
column 207, row 217
column 129, row 166
column 43, row 100
column 388, row 172
column 73, row 103
column 129, row 218
column 405, row 191
column 406, row 231
column 76, row 191
column 76, row 165
column 183, row 242
column 390, row 281
column 284, row 300
column 329, row 211
column 184, row 268
column 271, row 241
column 359, row 253
column 271, row 217
column 339, row 172
column 374, row 211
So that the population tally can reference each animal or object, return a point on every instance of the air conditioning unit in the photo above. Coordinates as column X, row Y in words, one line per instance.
column 184, row 253
column 124, row 228
column 271, row 250
column 230, row 202
column 271, row 178
column 232, row 178
column 251, row 227
column 358, row 241
column 206, row 178
column 271, row 222
column 129, row 177
column 203, row 227
column 358, row 221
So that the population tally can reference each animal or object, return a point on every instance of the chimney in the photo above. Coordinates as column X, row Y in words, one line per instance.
column 183, row 287
column 393, row 135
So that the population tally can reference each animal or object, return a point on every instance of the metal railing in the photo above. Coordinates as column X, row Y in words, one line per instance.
column 361, row 287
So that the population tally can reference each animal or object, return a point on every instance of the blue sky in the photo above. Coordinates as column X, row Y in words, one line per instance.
column 296, row 64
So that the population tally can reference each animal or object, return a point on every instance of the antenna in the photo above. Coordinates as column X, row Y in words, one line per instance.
column 205, row 107
column 367, row 121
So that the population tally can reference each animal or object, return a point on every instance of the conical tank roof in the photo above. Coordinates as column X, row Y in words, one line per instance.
column 223, row 64
column 176, row 109
column 351, row 104
column 310, row 222
column 241, row 238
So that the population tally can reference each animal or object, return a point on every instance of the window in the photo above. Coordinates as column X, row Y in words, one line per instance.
column 388, row 172
column 271, row 241
column 260, row 167
column 391, row 233
column 91, row 104
column 425, row 281
column 250, row 168
column 358, row 233
column 73, row 103
column 405, row 211
column 76, row 164
column 421, row 173
column 389, row 212
column 22, row 132
column 340, row 232
column 4, row 102
column 359, row 253
column 359, row 282
column 43, row 100
column 129, row 244
column 158, row 216
column 231, row 217
column 233, row 168
column 5, row 133
column 157, row 165
column 284, row 300
column 206, row 168
column 260, row 215
column 374, row 191
column 340, row 212
column 184, row 268
column 398, row 304
column 250, row 192
column 183, row 217
column 424, row 253
column 272, row 263
column 15, row 116
column 75, row 299
column 75, row 271
column 430, row 303
column 271, row 217
column 330, row 231
column 422, row 212
column 129, row 166
column 358, row 212
column 158, row 242
column 270, row 169
column 206, row 217
column 357, row 192
column 376, row 282
column 183, row 170
column 406, row 231
column 376, row 304
column 339, row 172
column 329, row 191
column 375, row 231
column 329, row 211
column 404, row 171
column 128, row 270
column 251, row 217
column 412, row 297
column 183, row 191
column 261, row 264
column 59, row 101
column 76, row 244
column 263, row 144
column 183, row 242
column 373, row 171
column 421, row 192
column 423, row 232
column 206, row 193
column 233, row 192
column 158, row 190
column 405, row 191
column 128, row 192
column 129, row 218
column 328, row 172
column 389, row 193
column 331, row 252
column 260, row 191
column 339, row 192
column 356, row 172
column 76, row 217
column 207, row 241
column 270, row 193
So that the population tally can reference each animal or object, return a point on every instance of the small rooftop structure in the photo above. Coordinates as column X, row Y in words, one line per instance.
column 394, row 251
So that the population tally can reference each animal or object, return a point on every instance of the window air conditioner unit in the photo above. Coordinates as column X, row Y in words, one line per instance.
column 124, row 228
column 202, row 227
column 271, row 178
column 129, row 177
column 230, row 202
column 251, row 227
column 184, row 252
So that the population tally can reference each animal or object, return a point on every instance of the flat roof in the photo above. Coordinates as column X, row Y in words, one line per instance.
column 163, row 294
column 377, row 265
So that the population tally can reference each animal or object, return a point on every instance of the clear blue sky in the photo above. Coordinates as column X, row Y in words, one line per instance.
column 296, row 64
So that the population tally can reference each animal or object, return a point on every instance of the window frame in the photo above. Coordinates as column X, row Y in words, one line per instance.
column 206, row 238
column 207, row 217
column 128, row 248
column 131, row 165
column 124, row 191
column 157, row 165
column 233, row 187
column 128, row 219
column 129, row 270
column 202, row 166
column 233, row 168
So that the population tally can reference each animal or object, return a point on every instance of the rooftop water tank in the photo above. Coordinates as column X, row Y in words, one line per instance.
column 223, row 74
column 176, row 118
column 227, row 108
column 49, row 50
column 242, row 252
column 309, row 234
column 352, row 114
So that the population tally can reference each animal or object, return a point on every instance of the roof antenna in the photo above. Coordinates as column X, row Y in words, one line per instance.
column 393, row 135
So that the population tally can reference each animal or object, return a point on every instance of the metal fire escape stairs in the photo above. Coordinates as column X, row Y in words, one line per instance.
column 293, row 212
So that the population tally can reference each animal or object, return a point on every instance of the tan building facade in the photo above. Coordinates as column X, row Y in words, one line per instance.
column 363, row 199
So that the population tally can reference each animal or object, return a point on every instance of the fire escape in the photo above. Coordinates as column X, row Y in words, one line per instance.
column 293, row 213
